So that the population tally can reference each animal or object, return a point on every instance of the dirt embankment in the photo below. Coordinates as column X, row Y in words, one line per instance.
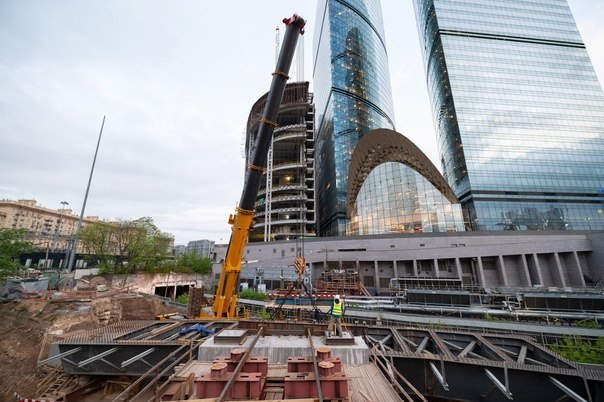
column 29, row 325
column 24, row 325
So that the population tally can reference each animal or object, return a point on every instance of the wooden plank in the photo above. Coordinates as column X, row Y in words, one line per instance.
column 366, row 380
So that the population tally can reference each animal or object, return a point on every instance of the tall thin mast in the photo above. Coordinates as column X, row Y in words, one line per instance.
column 77, row 235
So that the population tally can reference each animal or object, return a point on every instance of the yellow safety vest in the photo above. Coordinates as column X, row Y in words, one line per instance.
column 336, row 308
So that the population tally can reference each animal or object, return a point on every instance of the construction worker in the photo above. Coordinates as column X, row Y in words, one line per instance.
column 336, row 311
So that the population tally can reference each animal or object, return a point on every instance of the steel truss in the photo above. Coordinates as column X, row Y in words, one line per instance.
column 421, row 363
column 129, row 348
column 468, row 366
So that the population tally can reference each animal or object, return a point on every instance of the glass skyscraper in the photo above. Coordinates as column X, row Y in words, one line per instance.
column 352, row 96
column 518, row 111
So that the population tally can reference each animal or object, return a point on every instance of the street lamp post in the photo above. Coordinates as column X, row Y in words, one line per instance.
column 74, row 246
column 58, row 229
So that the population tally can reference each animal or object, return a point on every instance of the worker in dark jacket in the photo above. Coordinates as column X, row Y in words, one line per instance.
column 336, row 311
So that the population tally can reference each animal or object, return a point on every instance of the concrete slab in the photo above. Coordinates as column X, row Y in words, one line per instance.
column 278, row 348
column 230, row 336
column 345, row 339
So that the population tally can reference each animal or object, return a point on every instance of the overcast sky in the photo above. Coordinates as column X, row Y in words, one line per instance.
column 176, row 80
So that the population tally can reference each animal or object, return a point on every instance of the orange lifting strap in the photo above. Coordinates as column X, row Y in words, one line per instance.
column 270, row 123
column 281, row 74
column 257, row 168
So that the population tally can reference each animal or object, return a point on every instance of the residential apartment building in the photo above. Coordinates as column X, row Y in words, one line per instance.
column 201, row 248
column 47, row 229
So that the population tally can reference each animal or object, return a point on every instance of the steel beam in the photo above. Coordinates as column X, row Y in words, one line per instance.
column 465, row 351
column 468, row 349
column 60, row 355
column 409, row 341
column 441, row 345
column 139, row 356
column 522, row 354
column 486, row 344
column 314, row 363
column 386, row 365
column 422, row 345
column 504, row 388
column 385, row 339
column 246, row 355
column 400, row 340
column 97, row 357
column 569, row 392
column 440, row 376
column 112, row 365
column 154, row 369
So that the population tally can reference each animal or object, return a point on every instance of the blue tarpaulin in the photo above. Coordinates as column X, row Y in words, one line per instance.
column 197, row 327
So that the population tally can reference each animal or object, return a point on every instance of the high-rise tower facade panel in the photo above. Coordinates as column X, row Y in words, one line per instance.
column 352, row 96
column 518, row 110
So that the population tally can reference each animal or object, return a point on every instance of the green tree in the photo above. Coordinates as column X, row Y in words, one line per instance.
column 193, row 263
column 127, row 246
column 183, row 298
column 146, row 247
column 98, row 239
column 12, row 245
column 580, row 350
column 252, row 294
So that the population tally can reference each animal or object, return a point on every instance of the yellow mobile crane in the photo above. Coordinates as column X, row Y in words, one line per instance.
column 225, row 300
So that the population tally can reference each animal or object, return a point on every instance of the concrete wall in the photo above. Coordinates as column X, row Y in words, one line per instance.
column 82, row 272
column 596, row 257
column 494, row 259
column 147, row 283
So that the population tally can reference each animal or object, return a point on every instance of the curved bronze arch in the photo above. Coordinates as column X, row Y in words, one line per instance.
column 384, row 145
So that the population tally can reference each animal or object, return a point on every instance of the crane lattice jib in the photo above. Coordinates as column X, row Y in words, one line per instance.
column 225, row 302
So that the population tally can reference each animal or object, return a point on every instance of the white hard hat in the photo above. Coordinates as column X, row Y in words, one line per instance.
column 336, row 297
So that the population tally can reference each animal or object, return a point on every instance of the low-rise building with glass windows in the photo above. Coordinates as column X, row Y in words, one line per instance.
column 394, row 188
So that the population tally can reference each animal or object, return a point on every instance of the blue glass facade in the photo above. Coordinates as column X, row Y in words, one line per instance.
column 395, row 198
column 352, row 96
column 518, row 110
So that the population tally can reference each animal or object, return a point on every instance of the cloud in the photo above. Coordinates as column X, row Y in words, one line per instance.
column 176, row 82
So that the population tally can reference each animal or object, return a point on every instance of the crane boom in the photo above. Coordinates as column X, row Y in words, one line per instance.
column 225, row 301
